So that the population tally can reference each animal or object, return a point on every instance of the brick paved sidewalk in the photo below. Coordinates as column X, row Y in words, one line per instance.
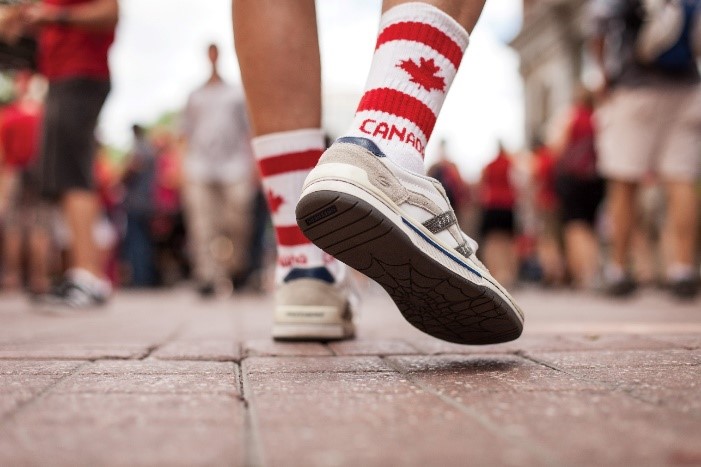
column 165, row 379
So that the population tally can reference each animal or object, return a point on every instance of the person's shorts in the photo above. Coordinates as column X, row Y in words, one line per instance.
column 497, row 220
column 25, row 210
column 579, row 199
column 68, row 135
column 651, row 129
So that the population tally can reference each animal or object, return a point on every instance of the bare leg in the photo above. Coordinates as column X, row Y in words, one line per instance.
column 621, row 210
column 12, row 258
column 500, row 257
column 278, row 50
column 80, row 208
column 582, row 249
column 464, row 12
column 39, row 250
column 682, row 221
column 551, row 261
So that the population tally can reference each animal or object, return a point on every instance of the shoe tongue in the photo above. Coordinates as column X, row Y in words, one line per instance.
column 362, row 142
column 320, row 273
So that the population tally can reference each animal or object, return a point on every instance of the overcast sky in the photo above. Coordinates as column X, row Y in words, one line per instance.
column 159, row 57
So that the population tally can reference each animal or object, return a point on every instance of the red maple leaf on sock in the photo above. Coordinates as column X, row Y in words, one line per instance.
column 425, row 74
column 274, row 201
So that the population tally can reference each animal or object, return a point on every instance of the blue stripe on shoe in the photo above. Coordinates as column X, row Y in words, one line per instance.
column 362, row 142
column 320, row 273
column 441, row 249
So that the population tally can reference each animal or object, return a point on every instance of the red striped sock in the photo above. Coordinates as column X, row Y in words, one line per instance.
column 284, row 161
column 418, row 52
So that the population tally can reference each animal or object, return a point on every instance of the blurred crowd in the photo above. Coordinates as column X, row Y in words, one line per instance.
column 185, row 203
column 164, row 217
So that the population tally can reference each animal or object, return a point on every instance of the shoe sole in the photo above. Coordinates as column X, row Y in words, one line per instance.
column 310, row 332
column 310, row 323
column 431, row 297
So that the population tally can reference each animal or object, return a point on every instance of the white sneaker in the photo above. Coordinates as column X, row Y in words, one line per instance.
column 79, row 290
column 311, row 304
column 398, row 228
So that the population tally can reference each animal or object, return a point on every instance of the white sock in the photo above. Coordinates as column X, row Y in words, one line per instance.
column 680, row 272
column 418, row 51
column 284, row 161
column 614, row 272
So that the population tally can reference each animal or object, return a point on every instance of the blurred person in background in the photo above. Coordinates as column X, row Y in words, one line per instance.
column 547, row 205
column 498, row 228
column 108, row 183
column 168, row 224
column 580, row 189
column 24, row 219
column 139, row 181
column 218, row 172
column 74, row 37
column 446, row 172
column 650, row 121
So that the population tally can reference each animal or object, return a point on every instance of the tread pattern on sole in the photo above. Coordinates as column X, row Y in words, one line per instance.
column 432, row 298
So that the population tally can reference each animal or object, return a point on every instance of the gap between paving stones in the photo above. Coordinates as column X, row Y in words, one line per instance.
column 614, row 388
column 168, row 339
column 252, row 443
column 524, row 443
column 38, row 396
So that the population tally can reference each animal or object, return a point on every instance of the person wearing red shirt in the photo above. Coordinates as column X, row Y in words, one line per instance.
column 74, row 37
column 581, row 190
column 498, row 199
column 22, row 216
column 546, row 204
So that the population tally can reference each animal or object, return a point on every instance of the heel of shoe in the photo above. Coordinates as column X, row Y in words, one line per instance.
column 310, row 332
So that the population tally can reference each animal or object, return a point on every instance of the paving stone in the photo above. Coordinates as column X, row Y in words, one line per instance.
column 678, row 376
column 627, row 393
column 321, row 385
column 317, row 423
column 616, row 342
column 21, row 384
column 64, row 351
column 30, row 367
column 580, row 428
column 270, row 348
column 684, row 400
column 124, row 430
column 209, row 350
column 689, row 341
column 110, row 409
column 372, row 347
column 149, row 383
column 18, row 389
column 152, row 376
column 527, row 342
column 13, row 397
column 157, row 367
column 29, row 383
column 455, row 374
column 619, row 359
column 548, row 343
column 10, row 401
column 344, row 364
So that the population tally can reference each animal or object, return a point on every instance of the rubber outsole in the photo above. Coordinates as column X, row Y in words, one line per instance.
column 432, row 298
column 310, row 332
